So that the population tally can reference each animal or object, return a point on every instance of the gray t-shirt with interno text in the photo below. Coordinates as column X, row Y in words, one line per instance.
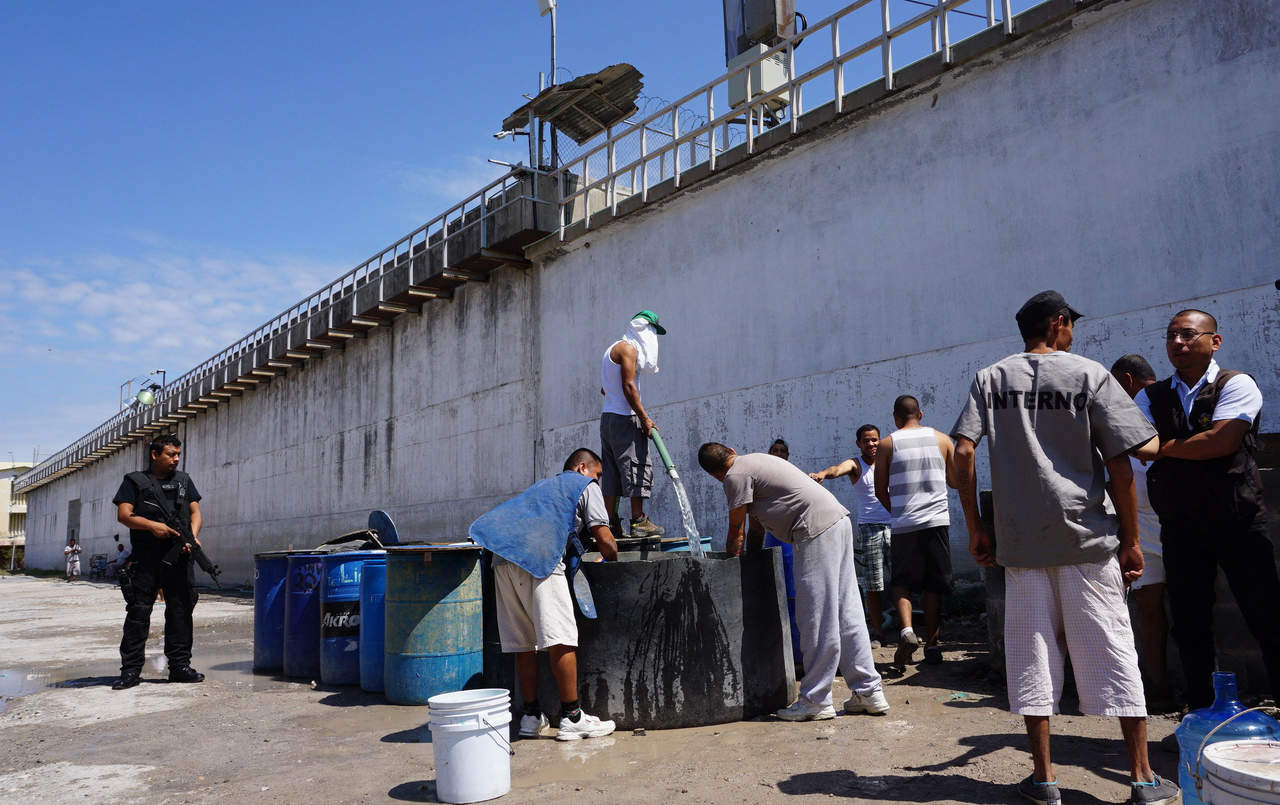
column 1051, row 421
column 786, row 501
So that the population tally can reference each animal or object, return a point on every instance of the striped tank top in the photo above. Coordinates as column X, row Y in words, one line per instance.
column 918, row 481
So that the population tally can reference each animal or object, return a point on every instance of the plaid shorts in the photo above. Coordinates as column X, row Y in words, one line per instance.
column 871, row 556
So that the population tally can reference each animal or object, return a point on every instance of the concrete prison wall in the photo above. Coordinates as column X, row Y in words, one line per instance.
column 1126, row 156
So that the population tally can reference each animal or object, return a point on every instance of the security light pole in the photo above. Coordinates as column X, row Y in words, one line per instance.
column 549, row 7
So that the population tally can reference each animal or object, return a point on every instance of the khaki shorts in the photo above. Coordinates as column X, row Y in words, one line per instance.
column 533, row 614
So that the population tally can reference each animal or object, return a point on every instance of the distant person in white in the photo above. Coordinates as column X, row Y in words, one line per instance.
column 72, row 555
column 1133, row 373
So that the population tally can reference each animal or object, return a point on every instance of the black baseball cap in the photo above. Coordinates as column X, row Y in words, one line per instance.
column 1042, row 306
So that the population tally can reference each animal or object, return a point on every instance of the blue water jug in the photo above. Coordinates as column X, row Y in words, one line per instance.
column 1199, row 723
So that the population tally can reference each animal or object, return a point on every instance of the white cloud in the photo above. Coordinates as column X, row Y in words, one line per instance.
column 76, row 326
column 441, row 188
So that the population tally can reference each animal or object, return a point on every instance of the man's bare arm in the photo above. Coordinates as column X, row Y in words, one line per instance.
column 1147, row 451
column 964, row 467
column 737, row 519
column 605, row 542
column 1222, row 439
column 947, row 448
column 1125, row 498
column 883, row 456
column 630, row 389
column 846, row 467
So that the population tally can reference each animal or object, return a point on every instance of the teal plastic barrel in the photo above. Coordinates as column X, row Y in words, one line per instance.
column 302, row 616
column 373, row 622
column 270, row 570
column 435, row 628
column 340, row 617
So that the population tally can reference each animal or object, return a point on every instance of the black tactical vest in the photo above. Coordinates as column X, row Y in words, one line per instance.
column 154, row 504
column 1225, row 490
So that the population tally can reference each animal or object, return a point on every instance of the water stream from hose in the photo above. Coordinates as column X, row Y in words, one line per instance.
column 686, row 516
column 682, row 498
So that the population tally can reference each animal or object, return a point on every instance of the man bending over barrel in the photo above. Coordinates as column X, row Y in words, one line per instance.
column 528, row 536
column 833, row 633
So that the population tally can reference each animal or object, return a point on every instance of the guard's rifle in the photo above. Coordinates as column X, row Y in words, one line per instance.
column 185, row 538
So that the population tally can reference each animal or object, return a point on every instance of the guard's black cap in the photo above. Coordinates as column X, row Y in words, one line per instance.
column 1042, row 306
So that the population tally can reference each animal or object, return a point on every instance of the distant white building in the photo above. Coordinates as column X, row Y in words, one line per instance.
column 13, row 512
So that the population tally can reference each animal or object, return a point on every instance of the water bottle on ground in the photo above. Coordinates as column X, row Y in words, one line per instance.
column 1199, row 723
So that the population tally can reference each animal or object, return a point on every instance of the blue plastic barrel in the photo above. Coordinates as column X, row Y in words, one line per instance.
column 269, row 573
column 340, row 617
column 435, row 625
column 302, row 616
column 373, row 622
column 681, row 544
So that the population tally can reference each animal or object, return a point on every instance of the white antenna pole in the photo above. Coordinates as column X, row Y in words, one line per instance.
column 555, row 139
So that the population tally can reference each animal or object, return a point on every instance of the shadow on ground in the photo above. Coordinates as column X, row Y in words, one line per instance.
column 911, row 788
column 416, row 735
column 415, row 791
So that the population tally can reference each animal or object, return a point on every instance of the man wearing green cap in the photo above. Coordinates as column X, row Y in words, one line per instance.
column 624, row 425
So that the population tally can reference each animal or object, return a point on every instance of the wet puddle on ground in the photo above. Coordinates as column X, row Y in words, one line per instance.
column 15, row 682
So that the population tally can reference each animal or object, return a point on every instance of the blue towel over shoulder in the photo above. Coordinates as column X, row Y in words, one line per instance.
column 532, row 529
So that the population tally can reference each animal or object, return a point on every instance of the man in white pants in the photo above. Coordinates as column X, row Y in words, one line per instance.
column 1054, row 421
column 797, row 510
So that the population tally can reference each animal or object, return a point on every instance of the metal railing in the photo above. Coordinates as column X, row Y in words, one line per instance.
column 475, row 210
column 594, row 180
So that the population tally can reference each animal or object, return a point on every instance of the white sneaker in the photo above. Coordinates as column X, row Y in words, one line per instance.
column 587, row 726
column 873, row 703
column 532, row 726
column 804, row 710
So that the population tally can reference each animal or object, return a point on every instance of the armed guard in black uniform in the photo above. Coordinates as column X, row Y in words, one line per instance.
column 150, row 503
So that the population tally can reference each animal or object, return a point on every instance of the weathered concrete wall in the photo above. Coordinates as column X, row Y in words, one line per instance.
column 1132, row 162
column 1129, row 157
column 429, row 418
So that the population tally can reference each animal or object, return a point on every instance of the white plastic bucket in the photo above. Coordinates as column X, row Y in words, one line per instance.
column 470, row 741
column 1241, row 773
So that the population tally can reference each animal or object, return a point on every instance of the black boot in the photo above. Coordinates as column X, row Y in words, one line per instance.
column 185, row 674
column 128, row 679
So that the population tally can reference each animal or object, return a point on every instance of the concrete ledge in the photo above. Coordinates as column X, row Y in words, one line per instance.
column 1037, row 16
column 865, row 95
column 920, row 70
column 976, row 45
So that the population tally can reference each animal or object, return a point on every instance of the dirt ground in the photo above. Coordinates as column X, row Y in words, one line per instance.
column 238, row 737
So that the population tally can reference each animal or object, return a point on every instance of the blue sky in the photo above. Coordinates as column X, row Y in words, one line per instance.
column 175, row 174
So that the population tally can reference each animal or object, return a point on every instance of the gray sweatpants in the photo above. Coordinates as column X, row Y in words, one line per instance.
column 833, row 632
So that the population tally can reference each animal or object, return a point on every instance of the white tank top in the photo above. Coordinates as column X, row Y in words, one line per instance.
column 615, row 402
column 870, row 509
column 918, row 481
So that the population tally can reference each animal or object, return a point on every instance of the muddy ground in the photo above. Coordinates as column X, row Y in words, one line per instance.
column 67, row 737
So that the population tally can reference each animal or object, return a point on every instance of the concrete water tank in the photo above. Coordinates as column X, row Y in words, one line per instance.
column 679, row 642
